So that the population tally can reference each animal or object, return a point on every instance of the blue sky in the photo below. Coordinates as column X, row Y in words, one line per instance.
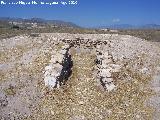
column 90, row 13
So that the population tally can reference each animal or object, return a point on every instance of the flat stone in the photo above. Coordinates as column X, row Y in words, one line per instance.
column 57, row 67
column 50, row 81
column 106, row 61
column 58, row 57
column 65, row 46
column 53, row 60
column 115, row 68
column 106, row 54
column 48, row 68
column 144, row 70
column 63, row 52
column 99, row 57
column 105, row 73
column 104, row 66
column 110, row 87
column 107, row 80
column 55, row 73
column 47, row 73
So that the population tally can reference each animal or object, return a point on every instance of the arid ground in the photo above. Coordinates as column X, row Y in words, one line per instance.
column 24, row 95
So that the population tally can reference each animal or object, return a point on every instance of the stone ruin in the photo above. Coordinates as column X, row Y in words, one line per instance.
column 105, row 68
column 60, row 67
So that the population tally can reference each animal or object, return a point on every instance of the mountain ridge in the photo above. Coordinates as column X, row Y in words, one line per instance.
column 39, row 21
column 129, row 26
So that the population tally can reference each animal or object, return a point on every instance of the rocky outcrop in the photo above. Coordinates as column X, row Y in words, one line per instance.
column 59, row 69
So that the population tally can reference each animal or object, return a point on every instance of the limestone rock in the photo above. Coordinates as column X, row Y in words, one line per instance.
column 59, row 69
column 110, row 87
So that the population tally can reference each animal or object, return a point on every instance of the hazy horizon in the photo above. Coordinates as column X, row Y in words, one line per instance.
column 91, row 13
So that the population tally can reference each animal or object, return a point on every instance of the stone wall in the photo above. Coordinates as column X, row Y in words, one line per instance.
column 105, row 67
column 59, row 68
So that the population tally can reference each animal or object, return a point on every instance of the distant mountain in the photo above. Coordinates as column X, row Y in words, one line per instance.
column 118, row 26
column 39, row 21
column 62, row 23
column 128, row 26
column 151, row 26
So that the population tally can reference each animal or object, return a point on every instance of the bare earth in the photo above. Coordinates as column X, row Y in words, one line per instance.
column 23, row 94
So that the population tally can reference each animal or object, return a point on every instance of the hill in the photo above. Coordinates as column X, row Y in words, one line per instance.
column 37, row 21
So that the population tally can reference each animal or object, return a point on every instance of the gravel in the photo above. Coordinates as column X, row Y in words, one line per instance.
column 133, row 71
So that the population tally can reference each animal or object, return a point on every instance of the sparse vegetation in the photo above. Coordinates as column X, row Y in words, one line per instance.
column 147, row 34
column 10, row 91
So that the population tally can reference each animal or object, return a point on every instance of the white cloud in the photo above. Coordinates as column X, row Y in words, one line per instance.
column 116, row 20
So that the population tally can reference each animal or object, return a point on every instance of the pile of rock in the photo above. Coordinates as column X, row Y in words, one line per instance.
column 59, row 68
column 105, row 67
column 88, row 43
